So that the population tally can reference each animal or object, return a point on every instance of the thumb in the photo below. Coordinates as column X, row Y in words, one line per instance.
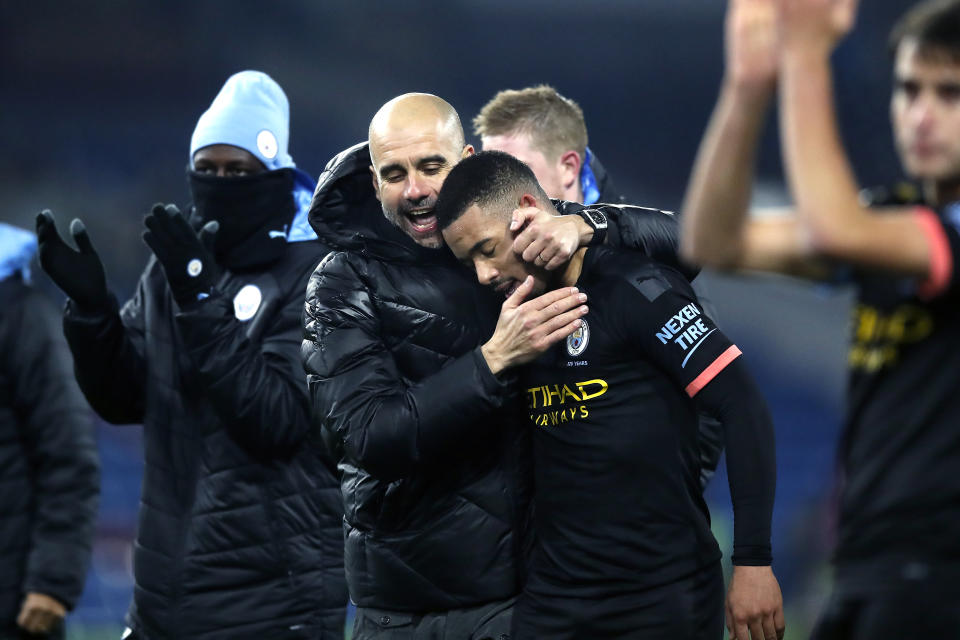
column 79, row 232
column 520, row 294
column 208, row 234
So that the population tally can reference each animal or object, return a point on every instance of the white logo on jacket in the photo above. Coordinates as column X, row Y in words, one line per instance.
column 246, row 302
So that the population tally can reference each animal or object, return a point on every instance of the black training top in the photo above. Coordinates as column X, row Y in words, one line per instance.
column 900, row 451
column 618, row 501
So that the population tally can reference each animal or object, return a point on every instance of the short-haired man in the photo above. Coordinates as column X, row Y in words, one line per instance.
column 412, row 382
column 623, row 545
column 898, row 548
column 548, row 132
column 239, row 531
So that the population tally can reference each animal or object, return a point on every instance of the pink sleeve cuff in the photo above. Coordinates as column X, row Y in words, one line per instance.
column 941, row 259
column 711, row 372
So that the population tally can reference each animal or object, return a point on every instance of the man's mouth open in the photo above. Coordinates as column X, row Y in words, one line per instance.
column 423, row 222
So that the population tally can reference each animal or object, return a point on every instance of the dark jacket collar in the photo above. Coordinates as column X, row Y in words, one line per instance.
column 608, row 192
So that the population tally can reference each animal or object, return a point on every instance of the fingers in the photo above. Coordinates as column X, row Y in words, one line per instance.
column 167, row 224
column 522, row 217
column 208, row 234
column 562, row 333
column 558, row 260
column 79, row 232
column 740, row 632
column 529, row 242
column 36, row 620
column 769, row 629
column 756, row 630
column 520, row 294
column 560, row 307
column 544, row 301
column 779, row 623
column 559, row 324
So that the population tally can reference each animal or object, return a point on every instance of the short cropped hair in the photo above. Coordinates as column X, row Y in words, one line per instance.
column 554, row 123
column 482, row 179
column 934, row 25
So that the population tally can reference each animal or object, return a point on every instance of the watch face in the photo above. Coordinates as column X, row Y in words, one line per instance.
column 598, row 219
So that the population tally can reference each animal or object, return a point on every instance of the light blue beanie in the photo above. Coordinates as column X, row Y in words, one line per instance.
column 251, row 112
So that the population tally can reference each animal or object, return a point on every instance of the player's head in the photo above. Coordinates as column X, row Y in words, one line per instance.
column 542, row 128
column 474, row 212
column 925, row 106
column 241, row 174
column 246, row 129
column 415, row 140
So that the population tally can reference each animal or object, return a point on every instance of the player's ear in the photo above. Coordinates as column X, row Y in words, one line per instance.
column 570, row 168
column 376, row 183
column 468, row 151
column 528, row 200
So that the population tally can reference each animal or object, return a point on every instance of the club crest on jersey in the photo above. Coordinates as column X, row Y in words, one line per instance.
column 578, row 340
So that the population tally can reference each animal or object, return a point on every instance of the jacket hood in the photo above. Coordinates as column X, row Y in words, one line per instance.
column 347, row 216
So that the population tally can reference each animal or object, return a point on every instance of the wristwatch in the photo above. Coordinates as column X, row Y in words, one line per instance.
column 597, row 222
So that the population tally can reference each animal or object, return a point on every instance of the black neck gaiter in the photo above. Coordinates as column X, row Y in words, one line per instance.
column 254, row 213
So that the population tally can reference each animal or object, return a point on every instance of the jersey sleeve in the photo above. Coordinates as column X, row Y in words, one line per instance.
column 661, row 316
column 943, row 237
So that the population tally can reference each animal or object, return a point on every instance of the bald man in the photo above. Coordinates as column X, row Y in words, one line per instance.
column 413, row 386
column 407, row 397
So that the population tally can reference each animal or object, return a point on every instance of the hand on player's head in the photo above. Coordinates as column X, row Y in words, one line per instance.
column 544, row 239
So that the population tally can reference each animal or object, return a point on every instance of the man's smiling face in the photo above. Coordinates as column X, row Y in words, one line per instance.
column 413, row 147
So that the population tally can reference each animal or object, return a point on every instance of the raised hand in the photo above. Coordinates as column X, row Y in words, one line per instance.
column 815, row 25
column 751, row 44
column 185, row 256
column 79, row 274
column 527, row 329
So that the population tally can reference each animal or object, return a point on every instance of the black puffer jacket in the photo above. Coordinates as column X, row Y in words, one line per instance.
column 49, row 470
column 429, row 448
column 239, row 531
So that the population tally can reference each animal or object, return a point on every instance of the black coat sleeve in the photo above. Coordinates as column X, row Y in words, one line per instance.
column 651, row 231
column 733, row 398
column 385, row 423
column 58, row 437
column 108, row 356
column 251, row 371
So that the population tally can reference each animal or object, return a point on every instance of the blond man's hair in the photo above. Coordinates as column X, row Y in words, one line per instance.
column 554, row 123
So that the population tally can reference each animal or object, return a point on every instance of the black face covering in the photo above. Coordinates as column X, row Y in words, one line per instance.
column 254, row 213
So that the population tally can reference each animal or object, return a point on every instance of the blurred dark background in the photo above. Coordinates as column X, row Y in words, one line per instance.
column 98, row 101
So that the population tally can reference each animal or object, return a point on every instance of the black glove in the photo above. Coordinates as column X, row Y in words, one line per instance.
column 78, row 273
column 185, row 256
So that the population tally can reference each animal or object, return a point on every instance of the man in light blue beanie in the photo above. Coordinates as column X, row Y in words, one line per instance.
column 240, row 523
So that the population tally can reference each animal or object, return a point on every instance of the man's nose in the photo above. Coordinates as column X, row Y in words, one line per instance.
column 486, row 274
column 415, row 188
column 922, row 113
